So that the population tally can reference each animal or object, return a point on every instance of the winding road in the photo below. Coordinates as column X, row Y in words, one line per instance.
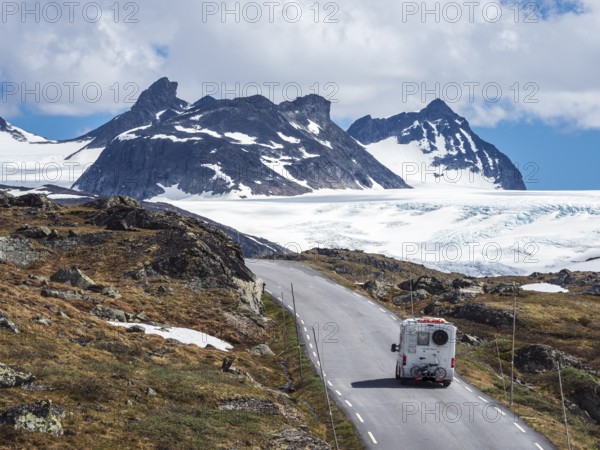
column 354, row 336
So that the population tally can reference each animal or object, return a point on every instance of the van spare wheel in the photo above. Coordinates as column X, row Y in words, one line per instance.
column 440, row 337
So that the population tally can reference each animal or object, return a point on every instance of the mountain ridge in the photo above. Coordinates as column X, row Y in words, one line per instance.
column 446, row 143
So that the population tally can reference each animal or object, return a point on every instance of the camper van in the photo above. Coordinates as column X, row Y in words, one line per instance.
column 426, row 350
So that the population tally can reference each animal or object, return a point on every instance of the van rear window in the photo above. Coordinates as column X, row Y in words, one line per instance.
column 423, row 338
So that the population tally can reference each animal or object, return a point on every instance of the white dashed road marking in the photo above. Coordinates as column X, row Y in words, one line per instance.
column 338, row 393
column 348, row 403
column 519, row 427
column 539, row 446
column 360, row 418
column 329, row 383
column 468, row 389
column 482, row 399
column 372, row 438
column 500, row 411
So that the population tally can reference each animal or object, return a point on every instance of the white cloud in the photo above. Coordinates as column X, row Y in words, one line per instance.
column 370, row 54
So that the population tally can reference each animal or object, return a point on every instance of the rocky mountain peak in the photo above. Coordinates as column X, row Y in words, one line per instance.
column 438, row 109
column 161, row 95
column 311, row 105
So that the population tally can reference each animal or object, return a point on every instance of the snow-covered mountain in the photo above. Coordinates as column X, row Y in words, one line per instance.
column 436, row 146
column 29, row 160
column 245, row 147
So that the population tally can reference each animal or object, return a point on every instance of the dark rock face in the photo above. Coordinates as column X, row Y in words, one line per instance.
column 248, row 145
column 188, row 248
column 40, row 417
column 161, row 97
column 564, row 278
column 537, row 358
column 429, row 284
column 463, row 149
column 480, row 313
column 589, row 400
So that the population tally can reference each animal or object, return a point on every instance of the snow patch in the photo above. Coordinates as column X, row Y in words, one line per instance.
column 544, row 287
column 241, row 138
column 291, row 140
column 183, row 335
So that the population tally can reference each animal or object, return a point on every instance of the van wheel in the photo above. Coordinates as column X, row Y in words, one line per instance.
column 397, row 373
column 446, row 383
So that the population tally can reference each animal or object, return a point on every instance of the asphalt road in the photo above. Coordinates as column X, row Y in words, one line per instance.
column 354, row 338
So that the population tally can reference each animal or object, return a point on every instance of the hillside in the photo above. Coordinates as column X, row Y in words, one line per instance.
column 551, row 327
column 78, row 381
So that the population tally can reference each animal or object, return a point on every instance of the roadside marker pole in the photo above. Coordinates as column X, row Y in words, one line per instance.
column 284, row 325
column 562, row 399
column 512, row 358
column 297, row 332
column 501, row 371
column 325, row 389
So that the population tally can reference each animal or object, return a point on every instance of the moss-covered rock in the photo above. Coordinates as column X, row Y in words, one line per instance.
column 39, row 417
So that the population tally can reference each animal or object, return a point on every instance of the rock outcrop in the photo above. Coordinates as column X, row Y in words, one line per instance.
column 537, row 358
column 40, row 417
column 10, row 378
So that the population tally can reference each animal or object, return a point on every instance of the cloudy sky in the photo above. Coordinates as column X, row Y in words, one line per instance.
column 526, row 77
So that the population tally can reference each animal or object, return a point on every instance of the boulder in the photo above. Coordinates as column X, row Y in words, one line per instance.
column 251, row 405
column 136, row 329
column 10, row 378
column 42, row 321
column 111, row 202
column 262, row 350
column 62, row 295
column 508, row 289
column 470, row 340
column 564, row 278
column 6, row 199
column 432, row 285
column 72, row 276
column 110, row 314
column 377, row 289
column 108, row 291
column 40, row 417
column 17, row 251
column 480, row 313
column 538, row 358
column 296, row 439
column 462, row 294
column 419, row 294
column 588, row 399
column 594, row 290
column 7, row 324
column 38, row 201
column 34, row 232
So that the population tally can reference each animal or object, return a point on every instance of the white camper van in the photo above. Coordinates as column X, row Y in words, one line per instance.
column 426, row 350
